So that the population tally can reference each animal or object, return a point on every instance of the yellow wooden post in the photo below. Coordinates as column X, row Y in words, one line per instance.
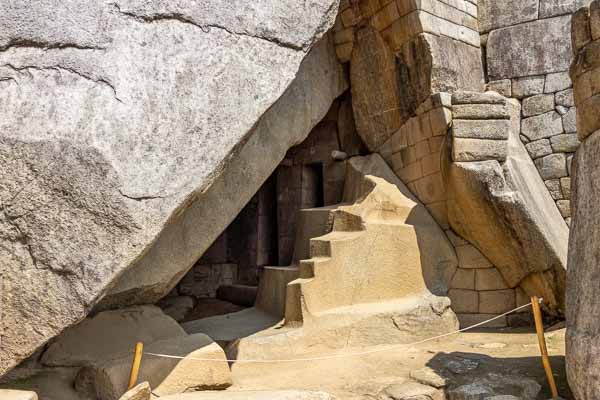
column 135, row 365
column 539, row 327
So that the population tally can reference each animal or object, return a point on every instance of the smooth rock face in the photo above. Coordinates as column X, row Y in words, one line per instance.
column 518, row 51
column 106, row 334
column 99, row 147
column 583, row 328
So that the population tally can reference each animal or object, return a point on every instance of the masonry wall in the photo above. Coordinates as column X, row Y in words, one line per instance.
column 527, row 49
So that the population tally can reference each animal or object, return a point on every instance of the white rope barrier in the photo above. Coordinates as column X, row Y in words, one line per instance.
column 334, row 356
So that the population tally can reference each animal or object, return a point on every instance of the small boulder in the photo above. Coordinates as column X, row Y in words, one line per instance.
column 139, row 392
column 428, row 376
column 108, row 333
column 411, row 391
column 17, row 395
column 108, row 379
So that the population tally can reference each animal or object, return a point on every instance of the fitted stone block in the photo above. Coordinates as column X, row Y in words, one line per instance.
column 467, row 97
column 489, row 279
column 566, row 143
column 565, row 98
column 496, row 301
column 565, row 185
column 480, row 112
column 570, row 121
column 503, row 87
column 467, row 320
column 556, row 82
column 551, row 8
column 554, row 188
column 552, row 166
column 464, row 301
column 481, row 129
column 542, row 126
column 564, row 206
column 539, row 148
column 494, row 14
column 463, row 279
column 478, row 150
column 518, row 51
column 528, row 86
column 469, row 257
column 538, row 104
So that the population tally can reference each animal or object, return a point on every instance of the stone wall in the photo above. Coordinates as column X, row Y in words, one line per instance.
column 583, row 326
column 418, row 154
column 527, row 49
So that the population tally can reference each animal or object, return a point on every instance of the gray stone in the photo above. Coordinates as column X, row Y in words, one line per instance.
column 139, row 392
column 473, row 391
column 564, row 206
column 565, row 98
column 108, row 153
column 253, row 395
column 503, row 87
column 465, row 97
column 527, row 86
column 570, row 120
column 551, row 8
column 478, row 149
column 481, row 111
column 552, row 166
column 539, row 148
column 565, row 184
column 583, row 327
column 554, row 188
column 177, row 307
column 557, row 81
column 481, row 129
column 494, row 14
column 518, row 51
column 412, row 391
column 542, row 126
column 461, row 366
column 562, row 110
column 538, row 104
column 108, row 333
column 567, row 143
column 492, row 385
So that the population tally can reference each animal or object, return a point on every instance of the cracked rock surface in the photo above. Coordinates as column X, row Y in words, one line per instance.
column 120, row 116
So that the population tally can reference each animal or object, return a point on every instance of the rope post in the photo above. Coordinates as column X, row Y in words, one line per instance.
column 135, row 365
column 539, row 327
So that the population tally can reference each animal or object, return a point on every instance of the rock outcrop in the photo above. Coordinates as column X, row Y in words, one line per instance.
column 126, row 125
column 583, row 291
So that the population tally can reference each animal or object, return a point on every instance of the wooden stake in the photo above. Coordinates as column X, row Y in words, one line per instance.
column 539, row 327
column 135, row 365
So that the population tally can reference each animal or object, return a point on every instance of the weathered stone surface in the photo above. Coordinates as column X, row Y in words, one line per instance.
column 480, row 128
column 478, row 149
column 498, row 14
column 116, row 145
column 552, row 166
column 469, row 257
column 471, row 98
column 565, row 184
column 463, row 279
column 517, row 51
column 6, row 394
column 486, row 198
column 567, row 143
column 503, row 87
column 489, row 279
column 167, row 376
column 139, row 392
column 538, row 104
column 430, row 377
column 412, row 391
column 554, row 188
column 583, row 330
column 564, row 206
column 496, row 301
column 539, row 148
column 492, row 385
column 374, row 89
column 557, row 81
column 542, row 126
column 480, row 111
column 551, row 8
column 565, row 98
column 464, row 301
column 109, row 333
column 570, row 121
column 528, row 86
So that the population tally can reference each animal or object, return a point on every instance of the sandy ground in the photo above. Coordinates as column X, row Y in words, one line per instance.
column 506, row 351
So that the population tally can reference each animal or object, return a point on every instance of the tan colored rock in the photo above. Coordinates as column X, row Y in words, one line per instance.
column 139, row 392
column 108, row 333
column 478, row 149
column 7, row 394
column 470, row 257
column 496, row 301
column 253, row 395
column 464, row 301
column 489, row 279
column 108, row 379
column 463, row 279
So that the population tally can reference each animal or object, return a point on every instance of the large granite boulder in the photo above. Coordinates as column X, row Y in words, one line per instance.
column 125, row 125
